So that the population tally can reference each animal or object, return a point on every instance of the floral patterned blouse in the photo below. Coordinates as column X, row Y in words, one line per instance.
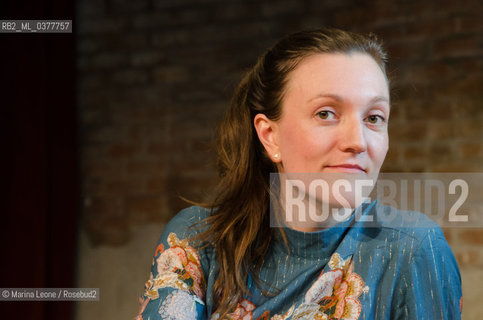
column 349, row 271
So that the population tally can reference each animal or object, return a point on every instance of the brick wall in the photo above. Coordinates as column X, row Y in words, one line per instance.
column 155, row 76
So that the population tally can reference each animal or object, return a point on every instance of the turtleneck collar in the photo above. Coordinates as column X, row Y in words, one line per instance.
column 318, row 244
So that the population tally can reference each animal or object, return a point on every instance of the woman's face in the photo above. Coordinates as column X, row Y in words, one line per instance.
column 335, row 114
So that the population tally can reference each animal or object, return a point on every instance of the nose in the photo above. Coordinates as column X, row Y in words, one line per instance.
column 352, row 136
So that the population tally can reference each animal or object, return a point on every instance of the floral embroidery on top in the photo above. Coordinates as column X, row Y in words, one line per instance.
column 178, row 267
column 178, row 305
column 244, row 311
column 335, row 293
column 286, row 315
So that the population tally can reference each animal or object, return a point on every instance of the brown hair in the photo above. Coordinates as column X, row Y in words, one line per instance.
column 238, row 226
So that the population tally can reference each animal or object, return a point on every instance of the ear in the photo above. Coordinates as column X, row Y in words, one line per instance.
column 267, row 131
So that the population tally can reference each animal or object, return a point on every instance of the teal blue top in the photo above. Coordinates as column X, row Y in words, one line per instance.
column 402, row 269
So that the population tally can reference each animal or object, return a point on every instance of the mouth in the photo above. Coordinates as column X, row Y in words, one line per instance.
column 346, row 168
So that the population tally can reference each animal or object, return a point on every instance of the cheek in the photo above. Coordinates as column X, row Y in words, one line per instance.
column 300, row 148
column 290, row 139
column 379, row 145
column 307, row 142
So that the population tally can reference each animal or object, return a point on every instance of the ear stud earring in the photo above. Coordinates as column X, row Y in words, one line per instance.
column 276, row 156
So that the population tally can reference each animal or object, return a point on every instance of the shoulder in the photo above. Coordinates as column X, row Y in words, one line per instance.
column 411, row 232
column 187, row 223
column 428, row 278
column 178, row 241
column 409, row 225
column 421, row 239
column 179, row 268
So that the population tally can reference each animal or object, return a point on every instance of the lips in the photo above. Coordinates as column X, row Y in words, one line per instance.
column 346, row 167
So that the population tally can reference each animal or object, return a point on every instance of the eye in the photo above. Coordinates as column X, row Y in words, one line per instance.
column 375, row 119
column 325, row 115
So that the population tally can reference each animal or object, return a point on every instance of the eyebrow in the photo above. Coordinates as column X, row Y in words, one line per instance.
column 340, row 99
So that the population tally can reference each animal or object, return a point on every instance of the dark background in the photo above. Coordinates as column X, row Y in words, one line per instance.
column 104, row 128
column 39, row 162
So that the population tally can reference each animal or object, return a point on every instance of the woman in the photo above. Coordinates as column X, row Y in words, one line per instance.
column 317, row 102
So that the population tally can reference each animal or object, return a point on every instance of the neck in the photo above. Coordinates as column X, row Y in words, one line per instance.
column 306, row 222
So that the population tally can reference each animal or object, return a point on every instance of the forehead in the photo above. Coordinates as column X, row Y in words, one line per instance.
column 348, row 75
